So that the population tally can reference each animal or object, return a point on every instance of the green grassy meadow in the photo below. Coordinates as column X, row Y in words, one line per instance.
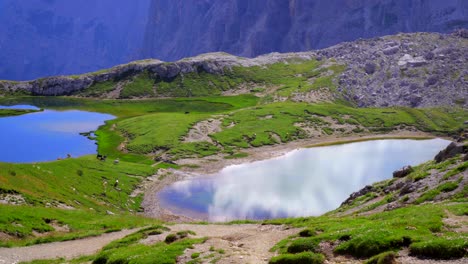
column 91, row 197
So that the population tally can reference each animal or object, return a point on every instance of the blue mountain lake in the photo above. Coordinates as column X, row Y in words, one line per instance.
column 47, row 135
column 304, row 182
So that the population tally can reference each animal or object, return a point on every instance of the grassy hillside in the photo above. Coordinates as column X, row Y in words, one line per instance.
column 81, row 197
column 428, row 220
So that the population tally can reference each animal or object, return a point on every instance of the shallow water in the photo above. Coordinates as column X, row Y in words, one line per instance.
column 305, row 182
column 47, row 135
column 23, row 107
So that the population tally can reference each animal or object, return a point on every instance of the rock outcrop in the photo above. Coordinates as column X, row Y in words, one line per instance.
column 403, row 172
column 415, row 70
column 451, row 151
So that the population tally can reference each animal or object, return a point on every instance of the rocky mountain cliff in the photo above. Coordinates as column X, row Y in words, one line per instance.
column 416, row 70
column 48, row 37
column 178, row 28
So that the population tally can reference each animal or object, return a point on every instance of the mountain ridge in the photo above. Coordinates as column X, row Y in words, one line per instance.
column 413, row 69
column 49, row 37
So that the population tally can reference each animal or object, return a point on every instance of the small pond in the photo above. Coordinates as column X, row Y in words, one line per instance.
column 305, row 182
column 47, row 135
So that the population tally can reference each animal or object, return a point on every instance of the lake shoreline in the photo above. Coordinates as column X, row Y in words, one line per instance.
column 209, row 166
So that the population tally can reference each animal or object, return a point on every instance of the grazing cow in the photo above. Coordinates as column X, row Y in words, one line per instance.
column 101, row 157
column 116, row 161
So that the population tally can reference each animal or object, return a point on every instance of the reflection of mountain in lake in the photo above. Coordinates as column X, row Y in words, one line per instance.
column 302, row 183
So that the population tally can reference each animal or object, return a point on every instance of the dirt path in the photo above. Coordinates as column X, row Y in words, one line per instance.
column 246, row 243
column 249, row 243
column 67, row 249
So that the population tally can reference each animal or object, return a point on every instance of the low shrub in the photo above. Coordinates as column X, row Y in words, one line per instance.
column 301, row 258
column 368, row 247
column 440, row 248
column 170, row 238
column 303, row 244
column 307, row 233
column 382, row 258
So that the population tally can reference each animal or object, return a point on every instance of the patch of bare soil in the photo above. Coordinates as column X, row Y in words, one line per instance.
column 247, row 243
column 456, row 223
column 114, row 94
column 202, row 130
column 67, row 249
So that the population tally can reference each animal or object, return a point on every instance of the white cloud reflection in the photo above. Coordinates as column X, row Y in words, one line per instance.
column 304, row 182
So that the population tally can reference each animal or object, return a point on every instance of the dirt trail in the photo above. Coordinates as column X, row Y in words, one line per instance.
column 245, row 243
column 67, row 249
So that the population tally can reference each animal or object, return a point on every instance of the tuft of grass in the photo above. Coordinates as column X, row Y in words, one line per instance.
column 141, row 85
column 431, row 194
column 367, row 236
column 21, row 221
column 440, row 248
column 97, row 89
column 382, row 258
column 301, row 258
column 302, row 245
column 459, row 169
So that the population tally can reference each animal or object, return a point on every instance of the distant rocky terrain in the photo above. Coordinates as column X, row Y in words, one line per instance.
column 41, row 38
column 415, row 70
column 434, row 181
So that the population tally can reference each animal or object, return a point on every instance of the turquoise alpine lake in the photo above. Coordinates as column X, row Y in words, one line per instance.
column 304, row 182
column 47, row 135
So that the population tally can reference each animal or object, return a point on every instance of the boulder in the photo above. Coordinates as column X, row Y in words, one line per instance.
column 391, row 50
column 359, row 193
column 370, row 67
column 451, row 151
column 408, row 60
column 403, row 172
column 409, row 187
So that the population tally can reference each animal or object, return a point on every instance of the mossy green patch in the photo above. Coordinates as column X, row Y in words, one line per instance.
column 140, row 86
column 21, row 221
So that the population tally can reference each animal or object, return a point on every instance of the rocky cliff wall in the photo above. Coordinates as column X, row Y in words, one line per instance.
column 41, row 38
column 179, row 28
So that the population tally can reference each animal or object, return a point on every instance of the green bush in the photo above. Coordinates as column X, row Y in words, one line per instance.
column 368, row 247
column 170, row 238
column 307, row 233
column 383, row 258
column 301, row 258
column 303, row 244
column 448, row 187
column 440, row 248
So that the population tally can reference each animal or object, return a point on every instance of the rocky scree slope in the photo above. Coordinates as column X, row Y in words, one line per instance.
column 416, row 70
column 444, row 178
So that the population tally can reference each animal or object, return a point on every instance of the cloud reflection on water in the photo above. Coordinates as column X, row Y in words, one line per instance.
column 304, row 182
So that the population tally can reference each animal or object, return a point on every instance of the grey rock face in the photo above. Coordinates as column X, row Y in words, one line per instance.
column 41, row 38
column 180, row 28
column 403, row 172
column 450, row 152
